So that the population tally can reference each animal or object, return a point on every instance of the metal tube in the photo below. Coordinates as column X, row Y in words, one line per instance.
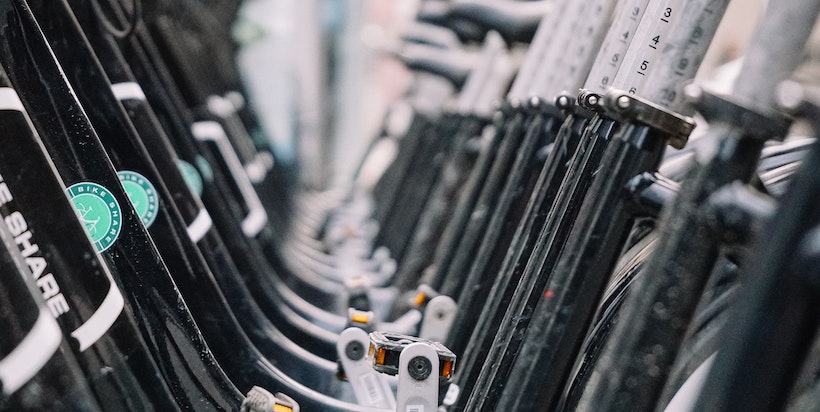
column 681, row 56
column 535, row 55
column 651, row 35
column 550, row 65
column 615, row 44
column 584, row 45
column 774, row 51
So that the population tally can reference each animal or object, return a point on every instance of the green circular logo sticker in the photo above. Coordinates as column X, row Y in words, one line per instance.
column 191, row 176
column 99, row 212
column 204, row 168
column 142, row 194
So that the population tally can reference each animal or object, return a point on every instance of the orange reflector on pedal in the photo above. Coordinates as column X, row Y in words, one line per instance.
column 380, row 353
column 420, row 299
column 447, row 369
column 281, row 408
column 360, row 318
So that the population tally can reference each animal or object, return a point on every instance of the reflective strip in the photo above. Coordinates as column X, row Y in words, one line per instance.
column 101, row 320
column 128, row 91
column 255, row 221
column 278, row 407
column 31, row 354
column 684, row 400
column 9, row 100
column 200, row 226
column 208, row 130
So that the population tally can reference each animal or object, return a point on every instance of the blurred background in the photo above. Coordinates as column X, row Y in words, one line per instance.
column 322, row 73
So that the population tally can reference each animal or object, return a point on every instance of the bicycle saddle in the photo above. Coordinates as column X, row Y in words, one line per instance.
column 516, row 21
column 432, row 35
column 472, row 19
column 453, row 65
column 437, row 12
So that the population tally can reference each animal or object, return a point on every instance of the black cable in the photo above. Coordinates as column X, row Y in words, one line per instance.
column 133, row 19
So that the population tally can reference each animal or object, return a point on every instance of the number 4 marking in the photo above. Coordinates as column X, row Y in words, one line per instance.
column 655, row 41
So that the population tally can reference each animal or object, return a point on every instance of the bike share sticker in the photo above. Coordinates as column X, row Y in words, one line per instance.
column 191, row 176
column 99, row 212
column 143, row 195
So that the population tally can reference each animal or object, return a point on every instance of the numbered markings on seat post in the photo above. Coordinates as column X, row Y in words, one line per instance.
column 99, row 211
column 143, row 195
